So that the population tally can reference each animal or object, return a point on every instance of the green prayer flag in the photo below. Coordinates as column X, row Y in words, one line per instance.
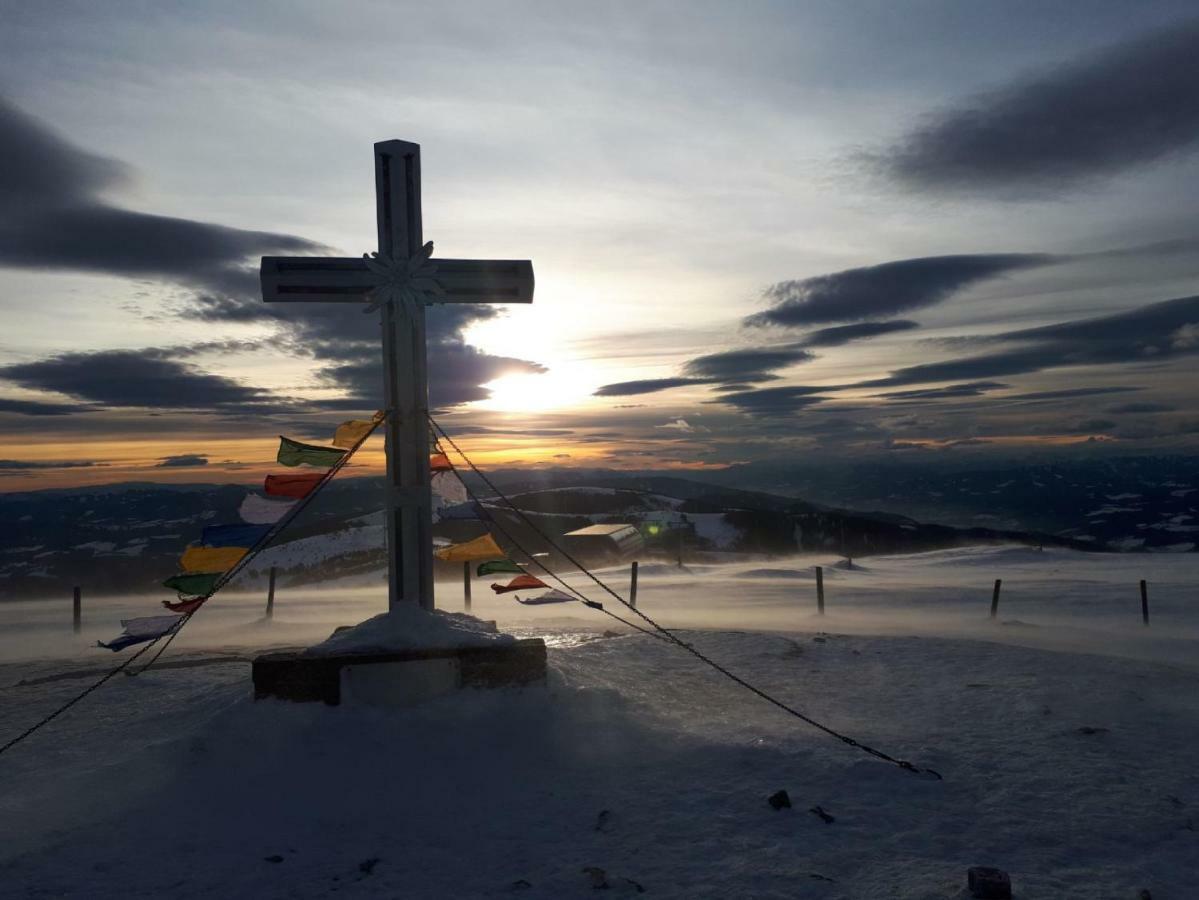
column 495, row 566
column 196, row 584
column 293, row 453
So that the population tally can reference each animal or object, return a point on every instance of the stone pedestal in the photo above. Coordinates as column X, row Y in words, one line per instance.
column 400, row 677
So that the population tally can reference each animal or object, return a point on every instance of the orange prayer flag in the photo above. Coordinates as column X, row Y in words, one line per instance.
column 350, row 433
column 519, row 583
column 210, row 559
column 439, row 462
column 483, row 547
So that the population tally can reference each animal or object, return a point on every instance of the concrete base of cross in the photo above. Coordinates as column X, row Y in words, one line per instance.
column 398, row 677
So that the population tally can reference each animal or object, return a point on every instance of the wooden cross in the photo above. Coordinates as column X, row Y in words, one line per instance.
column 401, row 279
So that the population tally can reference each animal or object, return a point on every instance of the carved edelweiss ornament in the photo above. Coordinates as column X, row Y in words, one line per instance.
column 406, row 281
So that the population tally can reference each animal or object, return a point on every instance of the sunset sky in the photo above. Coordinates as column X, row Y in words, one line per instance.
column 759, row 230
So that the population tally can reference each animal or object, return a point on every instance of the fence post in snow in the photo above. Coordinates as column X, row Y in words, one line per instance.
column 820, row 590
column 466, row 586
column 270, row 594
column 633, row 585
column 1144, row 602
column 77, row 610
column 995, row 598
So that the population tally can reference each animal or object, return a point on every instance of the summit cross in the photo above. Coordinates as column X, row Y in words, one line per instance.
column 400, row 280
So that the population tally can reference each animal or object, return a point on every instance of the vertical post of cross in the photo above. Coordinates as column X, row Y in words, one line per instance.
column 995, row 598
column 466, row 585
column 1144, row 602
column 820, row 590
column 407, row 496
column 633, row 585
column 77, row 610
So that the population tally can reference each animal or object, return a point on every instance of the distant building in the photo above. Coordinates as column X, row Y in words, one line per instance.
column 608, row 542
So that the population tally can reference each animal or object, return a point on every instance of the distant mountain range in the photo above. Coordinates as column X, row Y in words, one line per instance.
column 126, row 538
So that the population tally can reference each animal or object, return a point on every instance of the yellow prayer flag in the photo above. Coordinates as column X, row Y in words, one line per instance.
column 210, row 559
column 350, row 433
column 483, row 547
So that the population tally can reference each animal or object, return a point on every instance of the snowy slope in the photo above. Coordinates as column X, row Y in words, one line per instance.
column 1067, row 746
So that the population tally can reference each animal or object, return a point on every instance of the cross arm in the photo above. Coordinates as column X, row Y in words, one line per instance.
column 338, row 279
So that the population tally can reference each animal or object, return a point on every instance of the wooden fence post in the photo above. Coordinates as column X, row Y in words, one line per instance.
column 819, row 590
column 77, row 610
column 995, row 598
column 633, row 585
column 466, row 586
column 1144, row 602
column 270, row 594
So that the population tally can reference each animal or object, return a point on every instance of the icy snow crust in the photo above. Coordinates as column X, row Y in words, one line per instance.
column 1067, row 746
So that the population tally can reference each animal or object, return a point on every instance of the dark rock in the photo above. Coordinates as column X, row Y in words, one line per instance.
column 638, row 886
column 818, row 877
column 987, row 883
column 601, row 821
column 599, row 878
column 779, row 800
column 275, row 859
column 1091, row 729
column 520, row 885
column 824, row 816
column 368, row 865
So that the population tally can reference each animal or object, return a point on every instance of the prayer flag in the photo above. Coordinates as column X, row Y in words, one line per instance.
column 233, row 535
column 483, row 547
column 293, row 453
column 520, row 583
column 197, row 585
column 448, row 487
column 551, row 596
column 350, row 433
column 292, row 485
column 184, row 606
column 258, row 510
column 138, row 631
column 439, row 462
column 498, row 566
column 210, row 559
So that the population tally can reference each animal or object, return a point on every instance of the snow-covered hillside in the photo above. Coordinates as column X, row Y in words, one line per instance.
column 1064, row 730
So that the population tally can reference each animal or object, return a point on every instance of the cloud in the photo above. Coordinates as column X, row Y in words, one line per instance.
column 969, row 389
column 874, row 292
column 182, row 461
column 1135, row 335
column 679, row 424
column 1140, row 408
column 38, row 407
column 772, row 402
column 843, row 334
column 755, row 364
column 23, row 465
column 1127, row 105
column 646, row 386
column 135, row 378
column 52, row 217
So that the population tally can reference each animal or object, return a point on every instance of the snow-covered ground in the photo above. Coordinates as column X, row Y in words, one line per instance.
column 1065, row 730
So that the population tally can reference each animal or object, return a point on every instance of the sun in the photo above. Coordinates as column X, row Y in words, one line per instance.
column 566, row 384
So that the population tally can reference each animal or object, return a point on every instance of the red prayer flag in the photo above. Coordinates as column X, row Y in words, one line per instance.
column 439, row 462
column 292, row 485
column 184, row 606
column 520, row 582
